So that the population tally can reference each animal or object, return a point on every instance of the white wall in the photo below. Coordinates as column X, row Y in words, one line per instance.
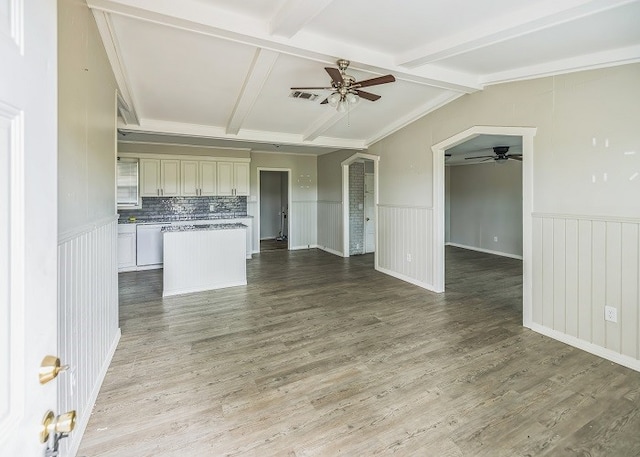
column 585, row 164
column 304, row 195
column 87, row 267
column 484, row 202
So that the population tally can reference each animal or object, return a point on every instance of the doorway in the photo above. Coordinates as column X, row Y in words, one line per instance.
column 438, row 247
column 274, row 207
column 359, row 204
column 483, row 213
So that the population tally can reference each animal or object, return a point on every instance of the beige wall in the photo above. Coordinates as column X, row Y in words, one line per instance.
column 485, row 201
column 86, row 121
column 586, row 122
column 304, row 175
column 330, row 175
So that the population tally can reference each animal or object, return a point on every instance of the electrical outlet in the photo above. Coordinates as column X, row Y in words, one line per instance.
column 212, row 207
column 610, row 314
column 495, row 239
column 357, row 245
column 408, row 257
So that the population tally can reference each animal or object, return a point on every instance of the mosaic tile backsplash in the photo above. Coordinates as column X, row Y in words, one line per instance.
column 185, row 208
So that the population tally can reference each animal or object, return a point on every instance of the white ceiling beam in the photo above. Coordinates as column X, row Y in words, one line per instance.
column 294, row 15
column 325, row 122
column 255, row 136
column 126, row 102
column 536, row 17
column 256, row 77
column 202, row 17
column 592, row 61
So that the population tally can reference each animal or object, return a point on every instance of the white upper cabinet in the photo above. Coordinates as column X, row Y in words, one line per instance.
column 197, row 178
column 192, row 176
column 189, row 182
column 159, row 178
column 208, row 178
column 241, row 178
column 149, row 177
column 170, row 178
column 233, row 178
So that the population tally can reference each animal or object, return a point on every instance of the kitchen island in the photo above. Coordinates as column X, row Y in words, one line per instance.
column 203, row 257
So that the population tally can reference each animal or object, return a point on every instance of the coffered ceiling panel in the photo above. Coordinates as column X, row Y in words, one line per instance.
column 221, row 71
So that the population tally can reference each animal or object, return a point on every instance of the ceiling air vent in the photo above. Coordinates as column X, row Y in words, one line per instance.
column 303, row 95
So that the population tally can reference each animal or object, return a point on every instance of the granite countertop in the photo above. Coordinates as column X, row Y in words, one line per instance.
column 191, row 228
column 169, row 219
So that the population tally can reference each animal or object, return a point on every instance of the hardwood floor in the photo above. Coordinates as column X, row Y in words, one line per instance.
column 323, row 356
column 272, row 245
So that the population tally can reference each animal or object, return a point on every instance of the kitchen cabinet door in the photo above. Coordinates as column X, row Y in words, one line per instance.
column 225, row 178
column 241, row 178
column 149, row 177
column 208, row 179
column 170, row 178
column 126, row 247
column 189, row 182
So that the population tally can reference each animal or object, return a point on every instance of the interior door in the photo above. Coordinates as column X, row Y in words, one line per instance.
column 369, row 214
column 28, row 220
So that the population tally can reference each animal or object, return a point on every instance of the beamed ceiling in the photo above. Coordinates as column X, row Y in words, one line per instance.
column 221, row 70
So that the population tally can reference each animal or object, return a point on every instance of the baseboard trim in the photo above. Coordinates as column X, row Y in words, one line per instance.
column 591, row 348
column 331, row 251
column 81, row 424
column 298, row 248
column 408, row 279
column 486, row 251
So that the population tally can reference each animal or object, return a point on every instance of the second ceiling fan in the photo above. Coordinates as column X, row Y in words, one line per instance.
column 501, row 154
column 346, row 90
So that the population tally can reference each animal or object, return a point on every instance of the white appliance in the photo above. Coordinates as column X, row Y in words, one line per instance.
column 149, row 244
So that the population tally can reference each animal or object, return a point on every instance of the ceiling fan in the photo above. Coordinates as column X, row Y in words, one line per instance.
column 501, row 154
column 345, row 89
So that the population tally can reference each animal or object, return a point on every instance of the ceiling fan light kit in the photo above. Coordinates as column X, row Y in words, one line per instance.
column 345, row 89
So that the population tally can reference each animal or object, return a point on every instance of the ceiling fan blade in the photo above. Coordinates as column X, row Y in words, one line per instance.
column 519, row 159
column 325, row 101
column 335, row 74
column 375, row 81
column 312, row 88
column 479, row 157
column 367, row 95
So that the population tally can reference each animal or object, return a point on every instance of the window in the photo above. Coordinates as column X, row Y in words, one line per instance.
column 127, row 182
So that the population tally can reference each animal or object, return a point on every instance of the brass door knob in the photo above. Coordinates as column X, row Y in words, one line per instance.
column 64, row 423
column 49, row 368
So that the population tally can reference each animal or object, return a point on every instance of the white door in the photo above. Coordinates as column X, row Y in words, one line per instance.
column 189, row 183
column 28, row 220
column 149, row 177
column 369, row 214
column 225, row 178
column 241, row 178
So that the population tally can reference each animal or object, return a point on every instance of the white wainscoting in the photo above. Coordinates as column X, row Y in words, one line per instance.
column 304, row 224
column 581, row 264
column 330, row 227
column 88, row 331
column 406, row 233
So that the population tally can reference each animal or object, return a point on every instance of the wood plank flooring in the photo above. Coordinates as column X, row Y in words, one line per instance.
column 323, row 356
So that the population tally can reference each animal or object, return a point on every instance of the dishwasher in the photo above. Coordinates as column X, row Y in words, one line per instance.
column 149, row 244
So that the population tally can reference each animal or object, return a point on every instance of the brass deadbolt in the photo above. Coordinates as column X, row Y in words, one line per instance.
column 50, row 368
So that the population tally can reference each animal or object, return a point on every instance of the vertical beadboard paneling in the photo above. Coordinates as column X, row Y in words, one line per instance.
column 585, row 299
column 330, row 226
column 598, row 281
column 571, row 277
column 581, row 264
column 559, row 272
column 547, row 272
column 304, row 225
column 404, row 232
column 613, row 282
column 628, row 313
column 87, row 317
